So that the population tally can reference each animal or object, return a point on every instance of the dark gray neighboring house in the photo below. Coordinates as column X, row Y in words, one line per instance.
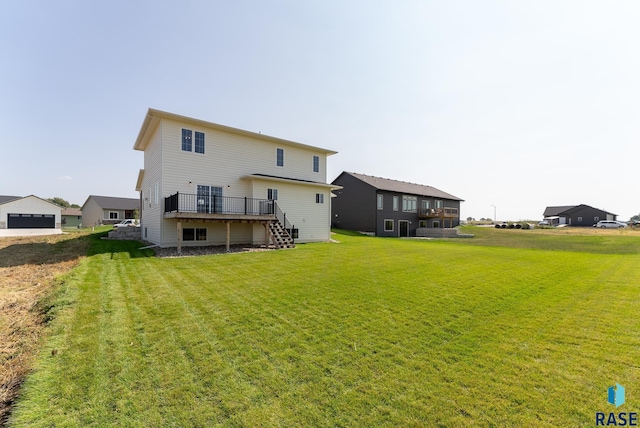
column 387, row 207
column 576, row 215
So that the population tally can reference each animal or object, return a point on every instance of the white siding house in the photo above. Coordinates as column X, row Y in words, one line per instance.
column 99, row 210
column 209, row 184
column 29, row 212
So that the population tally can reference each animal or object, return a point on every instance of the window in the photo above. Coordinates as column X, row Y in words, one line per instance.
column 396, row 203
column 186, row 140
column 422, row 223
column 409, row 203
column 316, row 164
column 436, row 224
column 199, row 142
column 319, row 198
column 426, row 205
column 280, row 157
column 113, row 215
column 580, row 219
column 188, row 234
column 209, row 199
column 438, row 204
column 379, row 202
column 388, row 225
column 199, row 234
column 272, row 194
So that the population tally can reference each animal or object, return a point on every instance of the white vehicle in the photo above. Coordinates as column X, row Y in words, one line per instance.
column 128, row 223
column 610, row 223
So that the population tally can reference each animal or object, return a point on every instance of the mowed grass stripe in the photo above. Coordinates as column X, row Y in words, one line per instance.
column 366, row 332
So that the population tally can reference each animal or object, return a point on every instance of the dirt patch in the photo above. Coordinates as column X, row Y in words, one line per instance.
column 28, row 268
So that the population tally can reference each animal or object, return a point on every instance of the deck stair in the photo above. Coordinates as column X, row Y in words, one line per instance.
column 280, row 238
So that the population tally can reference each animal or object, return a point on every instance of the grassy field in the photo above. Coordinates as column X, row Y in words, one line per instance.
column 511, row 328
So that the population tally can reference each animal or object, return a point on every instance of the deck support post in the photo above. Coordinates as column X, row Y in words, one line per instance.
column 228, row 235
column 179, row 231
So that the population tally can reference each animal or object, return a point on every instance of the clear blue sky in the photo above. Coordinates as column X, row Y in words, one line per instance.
column 512, row 104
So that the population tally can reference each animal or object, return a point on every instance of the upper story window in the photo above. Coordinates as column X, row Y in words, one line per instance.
column 188, row 141
column 316, row 164
column 438, row 204
column 319, row 198
column 379, row 202
column 272, row 194
column 199, row 142
column 409, row 203
column 280, row 157
column 396, row 203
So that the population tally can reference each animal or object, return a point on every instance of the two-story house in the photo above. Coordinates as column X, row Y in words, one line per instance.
column 209, row 184
column 387, row 207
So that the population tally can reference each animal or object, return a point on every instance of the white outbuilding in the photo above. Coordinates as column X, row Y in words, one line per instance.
column 29, row 212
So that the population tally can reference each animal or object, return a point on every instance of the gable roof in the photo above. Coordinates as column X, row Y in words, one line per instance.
column 553, row 211
column 153, row 118
column 5, row 199
column 570, row 209
column 114, row 203
column 72, row 211
column 401, row 186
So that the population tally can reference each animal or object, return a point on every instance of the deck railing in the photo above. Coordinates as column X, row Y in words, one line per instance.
column 438, row 212
column 191, row 203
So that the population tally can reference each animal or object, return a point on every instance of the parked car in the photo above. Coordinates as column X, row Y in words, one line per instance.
column 610, row 223
column 128, row 223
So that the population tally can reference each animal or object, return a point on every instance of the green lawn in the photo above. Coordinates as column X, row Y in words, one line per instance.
column 505, row 329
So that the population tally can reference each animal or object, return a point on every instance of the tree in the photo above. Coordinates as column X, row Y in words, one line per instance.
column 59, row 201
column 635, row 218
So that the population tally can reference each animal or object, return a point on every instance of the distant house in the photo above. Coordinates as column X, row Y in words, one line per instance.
column 71, row 217
column 209, row 184
column 388, row 207
column 99, row 210
column 29, row 212
column 576, row 215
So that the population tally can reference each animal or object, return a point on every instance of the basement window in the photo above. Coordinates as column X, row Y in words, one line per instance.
column 199, row 234
column 388, row 225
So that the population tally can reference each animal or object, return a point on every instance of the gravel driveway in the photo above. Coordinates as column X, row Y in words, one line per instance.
column 29, row 232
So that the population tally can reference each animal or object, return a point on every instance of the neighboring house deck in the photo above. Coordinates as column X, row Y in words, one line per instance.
column 576, row 215
column 388, row 207
column 210, row 184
